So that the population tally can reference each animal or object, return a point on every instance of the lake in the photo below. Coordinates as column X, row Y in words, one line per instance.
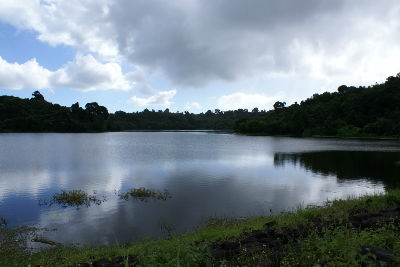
column 208, row 174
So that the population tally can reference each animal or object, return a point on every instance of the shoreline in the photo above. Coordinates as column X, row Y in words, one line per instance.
column 377, row 138
column 326, row 136
column 354, row 231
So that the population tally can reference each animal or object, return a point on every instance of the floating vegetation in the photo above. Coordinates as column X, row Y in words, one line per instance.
column 73, row 198
column 78, row 198
column 143, row 194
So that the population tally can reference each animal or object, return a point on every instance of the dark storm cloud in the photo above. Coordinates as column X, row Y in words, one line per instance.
column 194, row 42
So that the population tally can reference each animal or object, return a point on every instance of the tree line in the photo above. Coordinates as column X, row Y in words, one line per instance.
column 38, row 115
column 351, row 111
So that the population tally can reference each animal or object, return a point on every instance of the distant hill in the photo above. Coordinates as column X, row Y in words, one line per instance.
column 351, row 111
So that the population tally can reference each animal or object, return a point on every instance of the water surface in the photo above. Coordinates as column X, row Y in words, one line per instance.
column 207, row 174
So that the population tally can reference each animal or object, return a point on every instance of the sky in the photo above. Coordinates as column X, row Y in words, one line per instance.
column 194, row 55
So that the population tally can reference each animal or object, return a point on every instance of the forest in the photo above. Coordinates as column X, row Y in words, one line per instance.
column 349, row 112
column 38, row 115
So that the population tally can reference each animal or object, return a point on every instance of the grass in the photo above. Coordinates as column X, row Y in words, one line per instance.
column 336, row 243
column 341, row 245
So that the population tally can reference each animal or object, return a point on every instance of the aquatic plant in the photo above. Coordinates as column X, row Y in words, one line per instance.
column 73, row 198
column 144, row 194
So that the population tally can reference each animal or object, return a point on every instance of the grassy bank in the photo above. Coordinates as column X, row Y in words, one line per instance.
column 357, row 231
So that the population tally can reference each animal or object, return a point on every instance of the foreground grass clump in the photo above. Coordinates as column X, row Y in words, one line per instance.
column 363, row 231
column 144, row 194
column 14, row 244
column 73, row 198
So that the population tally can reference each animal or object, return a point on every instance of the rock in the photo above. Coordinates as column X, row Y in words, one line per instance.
column 371, row 219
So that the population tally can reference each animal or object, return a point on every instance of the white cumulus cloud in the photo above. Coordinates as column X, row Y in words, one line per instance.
column 160, row 99
column 193, row 106
column 82, row 24
column 246, row 101
column 27, row 75
column 83, row 73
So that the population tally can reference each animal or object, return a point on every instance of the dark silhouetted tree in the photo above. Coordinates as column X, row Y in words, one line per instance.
column 279, row 105
column 37, row 95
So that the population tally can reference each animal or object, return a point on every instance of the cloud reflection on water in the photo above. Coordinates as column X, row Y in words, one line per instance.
column 206, row 174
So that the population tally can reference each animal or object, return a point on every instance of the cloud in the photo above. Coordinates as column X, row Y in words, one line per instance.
column 194, row 43
column 27, row 75
column 189, row 106
column 83, row 73
column 75, row 23
column 161, row 99
column 246, row 101
column 86, row 73
column 142, row 84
